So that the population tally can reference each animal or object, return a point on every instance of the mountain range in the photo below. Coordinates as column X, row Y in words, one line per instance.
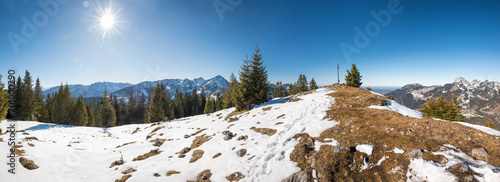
column 480, row 100
column 211, row 87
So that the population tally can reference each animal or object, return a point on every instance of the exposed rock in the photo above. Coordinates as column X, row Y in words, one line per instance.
column 414, row 154
column 182, row 155
column 460, row 168
column 28, row 164
column 228, row 135
column 245, row 137
column 397, row 170
column 158, row 143
column 480, row 153
column 187, row 136
column 300, row 176
column 241, row 152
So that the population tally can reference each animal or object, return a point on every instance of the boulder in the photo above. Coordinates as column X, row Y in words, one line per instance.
column 480, row 153
column 300, row 176
column 228, row 135
column 414, row 154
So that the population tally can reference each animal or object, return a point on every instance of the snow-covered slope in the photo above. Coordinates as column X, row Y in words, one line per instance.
column 86, row 153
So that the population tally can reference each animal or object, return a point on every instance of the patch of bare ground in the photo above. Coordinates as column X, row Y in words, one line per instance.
column 385, row 130
column 233, row 116
column 128, row 143
column 147, row 155
column 264, row 131
column 197, row 154
column 295, row 99
column 204, row 176
column 17, row 150
column 28, row 164
column 216, row 155
column 278, row 123
column 230, row 126
column 266, row 108
column 199, row 140
column 124, row 178
column 281, row 116
column 172, row 172
column 129, row 170
column 157, row 142
column 236, row 176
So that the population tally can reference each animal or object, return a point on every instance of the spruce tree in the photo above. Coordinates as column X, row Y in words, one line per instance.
column 209, row 107
column 90, row 114
column 259, row 84
column 278, row 89
column 187, row 104
column 79, row 114
column 156, row 111
column 218, row 102
column 167, row 104
column 178, row 105
column 227, row 98
column 313, row 84
column 97, row 115
column 353, row 77
column 19, row 101
column 203, row 101
column 238, row 97
column 4, row 101
column 132, row 108
column 141, row 108
column 195, row 103
column 301, row 83
column 106, row 111
column 29, row 105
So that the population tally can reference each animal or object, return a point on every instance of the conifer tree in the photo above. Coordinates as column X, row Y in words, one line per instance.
column 278, row 89
column 313, row 84
column 106, row 111
column 90, row 114
column 227, row 98
column 156, row 111
column 178, row 105
column 79, row 114
column 97, row 114
column 353, row 77
column 132, row 108
column 209, row 107
column 19, row 101
column 218, row 102
column 121, row 113
column 141, row 107
column 238, row 97
column 301, row 83
column 203, row 101
column 195, row 103
column 187, row 104
column 167, row 104
column 4, row 101
column 29, row 105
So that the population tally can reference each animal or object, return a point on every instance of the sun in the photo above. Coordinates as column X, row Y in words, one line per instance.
column 107, row 21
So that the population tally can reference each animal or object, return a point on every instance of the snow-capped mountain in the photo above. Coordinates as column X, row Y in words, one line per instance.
column 480, row 100
column 93, row 90
column 210, row 87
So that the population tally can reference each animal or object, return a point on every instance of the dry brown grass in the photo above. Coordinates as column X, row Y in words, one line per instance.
column 158, row 140
column 147, row 155
column 278, row 123
column 266, row 108
column 18, row 151
column 28, row 164
column 281, row 116
column 204, row 176
column 124, row 178
column 31, row 145
column 129, row 170
column 216, row 155
column 197, row 154
column 125, row 144
column 264, row 131
column 236, row 176
column 385, row 130
column 295, row 99
column 199, row 140
column 172, row 172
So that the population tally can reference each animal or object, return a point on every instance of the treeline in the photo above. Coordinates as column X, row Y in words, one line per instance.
column 249, row 89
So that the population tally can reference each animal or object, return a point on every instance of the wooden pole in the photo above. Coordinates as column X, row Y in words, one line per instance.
column 338, row 78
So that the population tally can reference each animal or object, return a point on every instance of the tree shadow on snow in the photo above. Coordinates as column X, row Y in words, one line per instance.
column 46, row 126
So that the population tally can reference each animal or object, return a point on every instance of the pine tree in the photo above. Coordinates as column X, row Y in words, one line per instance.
column 227, row 99
column 209, row 107
column 238, row 97
column 107, row 112
column 122, row 112
column 97, row 115
column 278, row 89
column 141, row 108
column 20, row 97
column 4, row 101
column 313, row 84
column 29, row 105
column 301, row 84
column 203, row 101
column 353, row 77
column 38, row 100
column 195, row 103
column 156, row 111
column 187, row 104
column 218, row 103
column 79, row 114
column 167, row 104
column 132, row 108
column 90, row 114
column 178, row 105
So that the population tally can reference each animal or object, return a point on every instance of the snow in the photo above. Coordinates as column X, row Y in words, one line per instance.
column 394, row 106
column 482, row 128
column 423, row 170
column 397, row 150
column 329, row 141
column 365, row 148
column 376, row 93
column 380, row 161
column 66, row 153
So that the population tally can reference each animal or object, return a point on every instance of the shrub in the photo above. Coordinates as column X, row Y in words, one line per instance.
column 443, row 109
column 490, row 124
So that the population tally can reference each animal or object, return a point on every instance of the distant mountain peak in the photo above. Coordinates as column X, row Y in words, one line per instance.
column 461, row 80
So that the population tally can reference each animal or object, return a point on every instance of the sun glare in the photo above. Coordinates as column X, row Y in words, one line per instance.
column 107, row 21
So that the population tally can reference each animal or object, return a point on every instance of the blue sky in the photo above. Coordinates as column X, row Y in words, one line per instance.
column 429, row 42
